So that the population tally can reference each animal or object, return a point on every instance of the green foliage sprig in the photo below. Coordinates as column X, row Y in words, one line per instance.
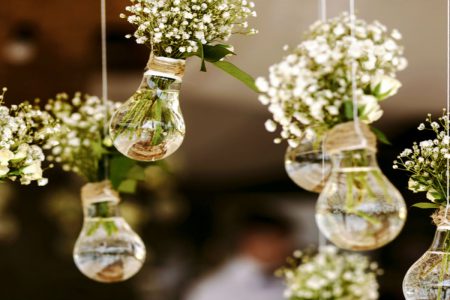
column 426, row 163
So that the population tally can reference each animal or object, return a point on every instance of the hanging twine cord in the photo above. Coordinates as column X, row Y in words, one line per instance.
column 345, row 137
column 166, row 67
column 99, row 192
column 354, row 66
column 104, row 78
column 322, row 4
column 447, row 112
column 440, row 217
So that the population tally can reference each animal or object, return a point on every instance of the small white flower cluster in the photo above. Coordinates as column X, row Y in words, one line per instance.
column 310, row 91
column 174, row 28
column 331, row 275
column 24, row 129
column 427, row 161
column 83, row 145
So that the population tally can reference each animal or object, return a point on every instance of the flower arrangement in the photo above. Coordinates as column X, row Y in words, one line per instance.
column 85, row 148
column 24, row 129
column 330, row 275
column 310, row 90
column 426, row 162
column 181, row 29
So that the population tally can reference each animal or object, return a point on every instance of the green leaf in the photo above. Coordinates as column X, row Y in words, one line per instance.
column 381, row 136
column 201, row 54
column 137, row 172
column 348, row 110
column 237, row 73
column 119, row 168
column 110, row 227
column 426, row 205
column 376, row 91
column 128, row 186
column 216, row 53
column 93, row 228
column 211, row 54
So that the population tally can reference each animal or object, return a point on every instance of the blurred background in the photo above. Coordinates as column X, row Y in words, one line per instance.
column 226, row 191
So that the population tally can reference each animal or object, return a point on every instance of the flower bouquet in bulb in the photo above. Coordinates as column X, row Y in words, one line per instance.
column 310, row 90
column 107, row 250
column 150, row 125
column 311, row 96
column 24, row 130
column 330, row 275
column 426, row 162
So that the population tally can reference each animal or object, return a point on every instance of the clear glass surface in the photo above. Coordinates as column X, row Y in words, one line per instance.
column 359, row 209
column 307, row 167
column 108, row 250
column 150, row 125
column 429, row 277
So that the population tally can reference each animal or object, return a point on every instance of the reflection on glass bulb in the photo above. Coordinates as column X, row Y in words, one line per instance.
column 150, row 126
column 307, row 167
column 429, row 277
column 107, row 250
column 359, row 209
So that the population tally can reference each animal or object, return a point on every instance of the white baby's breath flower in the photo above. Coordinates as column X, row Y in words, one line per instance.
column 330, row 275
column 298, row 89
column 426, row 161
column 174, row 28
column 4, row 170
column 270, row 125
column 5, row 156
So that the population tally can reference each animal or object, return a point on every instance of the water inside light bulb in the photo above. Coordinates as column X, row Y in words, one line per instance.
column 307, row 167
column 150, row 126
column 108, row 250
column 429, row 277
column 359, row 209
column 422, row 280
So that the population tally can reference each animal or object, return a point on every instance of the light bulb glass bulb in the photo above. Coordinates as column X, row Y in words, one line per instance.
column 107, row 249
column 359, row 209
column 429, row 277
column 307, row 167
column 150, row 126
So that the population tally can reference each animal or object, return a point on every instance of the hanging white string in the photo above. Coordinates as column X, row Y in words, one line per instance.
column 354, row 87
column 104, row 76
column 322, row 4
column 323, row 10
column 448, row 108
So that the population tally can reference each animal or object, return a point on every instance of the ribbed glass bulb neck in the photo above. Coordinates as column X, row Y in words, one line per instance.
column 166, row 67
column 100, row 200
column 106, row 209
column 355, row 159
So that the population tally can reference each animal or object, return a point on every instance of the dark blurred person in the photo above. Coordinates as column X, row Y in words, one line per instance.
column 263, row 242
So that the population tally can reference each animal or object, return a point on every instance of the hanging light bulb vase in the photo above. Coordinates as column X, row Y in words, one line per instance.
column 308, row 166
column 358, row 209
column 150, row 126
column 429, row 277
column 107, row 250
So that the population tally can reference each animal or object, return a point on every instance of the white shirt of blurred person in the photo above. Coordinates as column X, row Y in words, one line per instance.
column 249, row 275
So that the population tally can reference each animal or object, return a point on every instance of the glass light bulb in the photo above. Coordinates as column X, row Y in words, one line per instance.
column 307, row 167
column 150, row 126
column 359, row 209
column 107, row 249
column 429, row 277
